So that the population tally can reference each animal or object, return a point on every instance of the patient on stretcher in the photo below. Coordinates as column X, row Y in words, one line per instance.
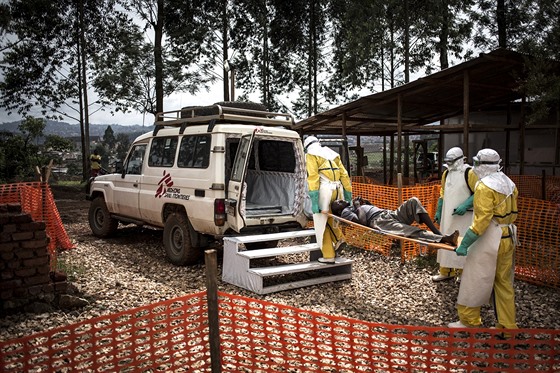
column 396, row 222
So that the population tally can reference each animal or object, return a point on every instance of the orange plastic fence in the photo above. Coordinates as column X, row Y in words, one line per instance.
column 532, row 186
column 537, row 256
column 259, row 336
column 388, row 197
column 37, row 200
column 538, row 223
column 167, row 336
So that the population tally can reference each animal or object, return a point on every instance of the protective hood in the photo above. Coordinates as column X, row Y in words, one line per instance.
column 454, row 159
column 313, row 146
column 486, row 162
column 499, row 182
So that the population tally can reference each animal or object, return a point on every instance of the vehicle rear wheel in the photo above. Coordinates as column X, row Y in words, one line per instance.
column 100, row 220
column 177, row 241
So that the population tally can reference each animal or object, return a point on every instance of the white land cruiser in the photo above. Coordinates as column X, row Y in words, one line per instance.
column 204, row 173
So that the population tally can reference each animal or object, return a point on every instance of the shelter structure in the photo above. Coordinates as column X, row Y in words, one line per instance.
column 481, row 96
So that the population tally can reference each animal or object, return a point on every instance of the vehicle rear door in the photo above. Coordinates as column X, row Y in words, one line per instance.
column 237, row 193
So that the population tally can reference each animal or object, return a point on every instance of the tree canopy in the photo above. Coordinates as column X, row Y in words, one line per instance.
column 298, row 55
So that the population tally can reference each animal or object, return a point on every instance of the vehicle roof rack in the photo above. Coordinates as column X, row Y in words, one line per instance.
column 215, row 114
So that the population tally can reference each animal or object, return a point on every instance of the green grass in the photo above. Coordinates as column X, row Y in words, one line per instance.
column 73, row 271
column 71, row 183
column 428, row 261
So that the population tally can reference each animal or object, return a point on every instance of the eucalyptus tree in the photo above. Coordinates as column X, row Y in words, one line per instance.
column 176, row 56
column 256, row 62
column 501, row 23
column 543, row 84
column 361, row 31
column 530, row 27
column 51, row 65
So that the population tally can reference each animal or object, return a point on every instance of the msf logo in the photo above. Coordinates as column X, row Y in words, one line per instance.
column 163, row 184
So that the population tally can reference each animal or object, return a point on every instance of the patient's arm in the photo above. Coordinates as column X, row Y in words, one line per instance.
column 362, row 219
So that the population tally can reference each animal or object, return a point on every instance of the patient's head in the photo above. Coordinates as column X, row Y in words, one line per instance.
column 338, row 205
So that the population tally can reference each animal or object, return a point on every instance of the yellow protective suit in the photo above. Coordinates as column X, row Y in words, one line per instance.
column 330, row 178
column 493, row 212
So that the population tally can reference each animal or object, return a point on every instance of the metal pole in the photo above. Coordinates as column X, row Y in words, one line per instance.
column 210, row 259
column 232, row 84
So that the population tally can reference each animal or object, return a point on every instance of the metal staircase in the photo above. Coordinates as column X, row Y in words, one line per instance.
column 240, row 266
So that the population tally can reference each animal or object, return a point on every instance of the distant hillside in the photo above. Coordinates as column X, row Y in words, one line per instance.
column 73, row 130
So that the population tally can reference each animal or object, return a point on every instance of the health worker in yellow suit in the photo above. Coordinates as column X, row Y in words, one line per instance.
column 489, row 246
column 327, row 181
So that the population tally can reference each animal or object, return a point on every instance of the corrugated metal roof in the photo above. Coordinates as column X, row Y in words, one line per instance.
column 492, row 79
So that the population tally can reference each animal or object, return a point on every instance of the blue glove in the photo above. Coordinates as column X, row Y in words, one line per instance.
column 437, row 218
column 468, row 240
column 314, row 196
column 463, row 207
column 348, row 196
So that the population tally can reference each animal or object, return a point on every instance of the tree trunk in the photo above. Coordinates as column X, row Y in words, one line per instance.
column 158, row 60
column 501, row 20
column 84, row 88
column 406, row 30
column 444, row 36
column 267, row 100
column 314, row 55
column 225, row 55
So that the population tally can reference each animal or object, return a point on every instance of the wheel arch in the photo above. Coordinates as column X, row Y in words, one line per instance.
column 197, row 239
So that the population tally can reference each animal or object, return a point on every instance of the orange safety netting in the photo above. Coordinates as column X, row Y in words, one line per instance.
column 537, row 254
column 260, row 336
column 387, row 197
column 37, row 200
column 534, row 186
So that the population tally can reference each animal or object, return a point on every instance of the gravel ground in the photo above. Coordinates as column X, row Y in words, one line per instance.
column 130, row 270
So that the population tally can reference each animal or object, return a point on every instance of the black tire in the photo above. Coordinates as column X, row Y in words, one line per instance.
column 261, row 245
column 177, row 241
column 100, row 220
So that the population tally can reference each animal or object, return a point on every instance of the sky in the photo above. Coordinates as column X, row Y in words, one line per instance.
column 174, row 102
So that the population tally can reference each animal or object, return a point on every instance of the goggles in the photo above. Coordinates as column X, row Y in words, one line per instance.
column 451, row 161
column 478, row 162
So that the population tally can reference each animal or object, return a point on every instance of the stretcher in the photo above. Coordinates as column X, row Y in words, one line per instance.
column 435, row 245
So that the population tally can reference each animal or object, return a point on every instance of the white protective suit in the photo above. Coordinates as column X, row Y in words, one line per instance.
column 455, row 191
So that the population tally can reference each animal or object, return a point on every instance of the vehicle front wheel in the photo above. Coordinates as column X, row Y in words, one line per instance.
column 100, row 220
column 177, row 241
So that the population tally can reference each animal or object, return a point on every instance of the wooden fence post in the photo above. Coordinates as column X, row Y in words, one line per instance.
column 210, row 259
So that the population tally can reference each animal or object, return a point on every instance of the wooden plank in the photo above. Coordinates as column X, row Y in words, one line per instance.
column 276, row 251
column 298, row 267
column 435, row 245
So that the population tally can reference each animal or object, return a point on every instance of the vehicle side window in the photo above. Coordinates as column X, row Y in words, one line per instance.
column 135, row 160
column 162, row 152
column 194, row 152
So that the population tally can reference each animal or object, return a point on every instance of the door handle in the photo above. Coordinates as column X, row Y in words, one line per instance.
column 135, row 185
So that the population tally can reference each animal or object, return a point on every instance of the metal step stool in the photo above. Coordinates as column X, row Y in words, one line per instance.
column 237, row 268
